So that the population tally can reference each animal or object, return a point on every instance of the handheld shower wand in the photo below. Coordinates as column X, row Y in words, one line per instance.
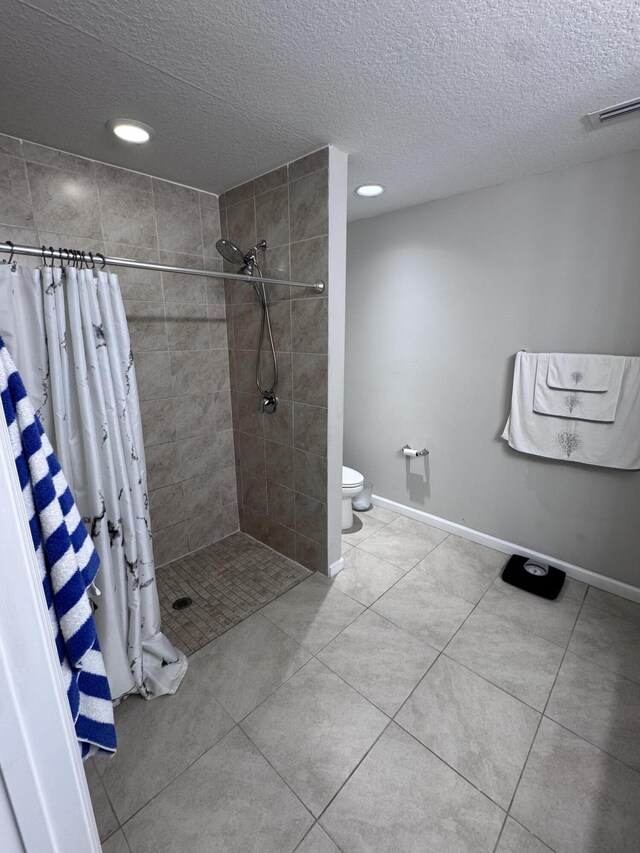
column 248, row 261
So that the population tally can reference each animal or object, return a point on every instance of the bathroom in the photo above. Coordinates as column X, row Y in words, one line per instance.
column 328, row 288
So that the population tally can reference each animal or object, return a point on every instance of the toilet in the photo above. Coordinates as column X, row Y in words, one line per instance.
column 352, row 484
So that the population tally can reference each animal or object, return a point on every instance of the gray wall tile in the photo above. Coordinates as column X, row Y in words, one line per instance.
column 308, row 206
column 310, row 474
column 184, row 394
column 282, row 539
column 310, row 518
column 66, row 202
column 279, row 459
column 187, row 326
column 270, row 180
column 158, row 421
column 191, row 373
column 34, row 153
column 252, row 454
column 310, row 378
column 166, row 507
column 170, row 543
column 201, row 494
column 272, row 216
column 311, row 163
column 15, row 204
column 147, row 328
column 241, row 225
column 309, row 325
column 287, row 204
column 280, row 504
column 162, row 464
column 13, row 147
column 153, row 374
column 310, row 432
column 254, row 492
column 310, row 262
column 128, row 214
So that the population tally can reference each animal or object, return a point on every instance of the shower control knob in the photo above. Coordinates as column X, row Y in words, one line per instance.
column 269, row 402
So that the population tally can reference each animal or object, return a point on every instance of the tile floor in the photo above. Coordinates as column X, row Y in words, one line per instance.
column 413, row 703
column 227, row 581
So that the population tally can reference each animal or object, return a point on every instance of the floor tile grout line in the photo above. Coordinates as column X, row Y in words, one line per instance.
column 542, row 717
column 235, row 724
column 307, row 834
column 439, row 653
column 450, row 766
column 276, row 771
column 594, row 745
column 357, row 765
column 182, row 772
column 604, row 668
column 489, row 681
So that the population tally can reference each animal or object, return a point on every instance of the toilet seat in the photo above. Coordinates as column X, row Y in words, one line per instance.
column 351, row 479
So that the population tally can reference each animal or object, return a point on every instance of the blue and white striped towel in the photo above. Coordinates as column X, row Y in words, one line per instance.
column 68, row 565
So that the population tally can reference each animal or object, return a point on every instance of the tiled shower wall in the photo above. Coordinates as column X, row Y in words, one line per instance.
column 281, row 458
column 177, row 322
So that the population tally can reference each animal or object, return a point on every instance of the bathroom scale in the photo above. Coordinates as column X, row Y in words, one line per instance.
column 533, row 576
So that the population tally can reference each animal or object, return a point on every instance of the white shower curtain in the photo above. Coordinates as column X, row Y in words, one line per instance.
column 68, row 335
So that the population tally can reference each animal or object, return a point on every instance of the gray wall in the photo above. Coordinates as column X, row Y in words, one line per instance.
column 440, row 297
column 281, row 458
column 177, row 323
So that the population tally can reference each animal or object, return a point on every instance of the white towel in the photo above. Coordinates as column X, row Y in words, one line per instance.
column 612, row 445
column 576, row 403
column 579, row 372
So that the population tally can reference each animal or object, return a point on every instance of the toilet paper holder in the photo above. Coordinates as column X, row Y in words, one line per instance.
column 408, row 451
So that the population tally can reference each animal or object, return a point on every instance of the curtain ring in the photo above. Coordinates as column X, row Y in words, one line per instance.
column 44, row 260
column 104, row 260
column 53, row 255
column 92, row 259
column 12, row 262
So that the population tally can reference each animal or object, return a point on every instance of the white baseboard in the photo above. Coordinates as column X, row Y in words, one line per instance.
column 336, row 567
column 611, row 585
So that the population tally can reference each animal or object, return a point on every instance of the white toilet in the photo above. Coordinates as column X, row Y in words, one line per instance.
column 352, row 484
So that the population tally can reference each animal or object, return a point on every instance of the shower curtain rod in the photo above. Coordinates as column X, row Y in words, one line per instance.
column 84, row 257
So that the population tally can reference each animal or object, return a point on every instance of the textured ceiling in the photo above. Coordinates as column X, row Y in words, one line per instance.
column 429, row 97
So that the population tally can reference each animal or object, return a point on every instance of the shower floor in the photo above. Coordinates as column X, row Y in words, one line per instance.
column 227, row 582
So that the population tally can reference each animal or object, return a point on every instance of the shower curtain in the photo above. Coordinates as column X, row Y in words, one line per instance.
column 67, row 333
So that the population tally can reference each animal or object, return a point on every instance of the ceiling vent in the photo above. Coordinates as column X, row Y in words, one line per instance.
column 610, row 115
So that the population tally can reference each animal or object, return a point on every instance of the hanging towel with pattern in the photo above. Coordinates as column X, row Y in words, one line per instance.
column 575, row 402
column 611, row 445
column 579, row 371
column 67, row 561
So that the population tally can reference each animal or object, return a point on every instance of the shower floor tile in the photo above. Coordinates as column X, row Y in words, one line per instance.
column 227, row 582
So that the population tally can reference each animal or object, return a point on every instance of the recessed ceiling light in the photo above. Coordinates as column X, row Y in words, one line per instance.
column 370, row 190
column 130, row 130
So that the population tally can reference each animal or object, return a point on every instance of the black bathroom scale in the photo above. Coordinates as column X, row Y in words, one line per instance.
column 533, row 576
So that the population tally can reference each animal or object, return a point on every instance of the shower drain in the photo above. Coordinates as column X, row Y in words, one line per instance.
column 182, row 603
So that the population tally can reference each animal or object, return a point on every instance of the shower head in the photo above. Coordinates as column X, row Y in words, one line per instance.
column 230, row 252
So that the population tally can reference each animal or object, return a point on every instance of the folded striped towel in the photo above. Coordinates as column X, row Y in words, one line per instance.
column 68, row 564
